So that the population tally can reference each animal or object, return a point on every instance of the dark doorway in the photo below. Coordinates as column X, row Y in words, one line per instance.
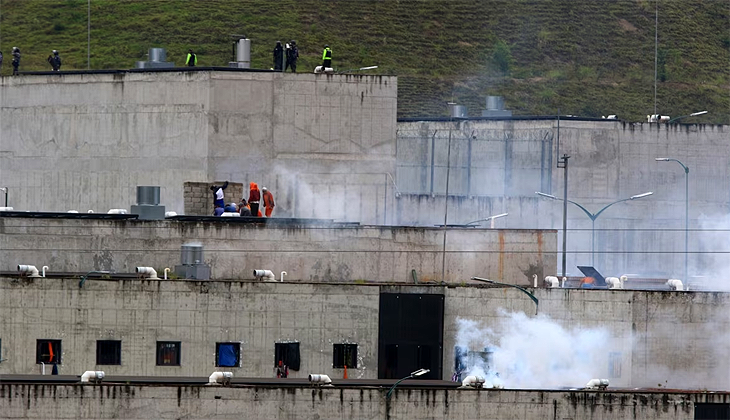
column 411, row 335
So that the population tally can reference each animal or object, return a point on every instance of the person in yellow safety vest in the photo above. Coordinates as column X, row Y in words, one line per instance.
column 192, row 59
column 326, row 57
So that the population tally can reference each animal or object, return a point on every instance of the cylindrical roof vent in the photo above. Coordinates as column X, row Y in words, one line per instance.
column 458, row 111
column 148, row 195
column 243, row 53
column 191, row 254
column 495, row 103
column 157, row 54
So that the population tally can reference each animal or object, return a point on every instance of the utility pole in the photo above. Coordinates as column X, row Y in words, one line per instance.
column 563, row 163
column 88, row 35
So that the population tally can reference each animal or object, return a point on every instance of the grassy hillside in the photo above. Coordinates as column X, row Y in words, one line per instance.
column 588, row 57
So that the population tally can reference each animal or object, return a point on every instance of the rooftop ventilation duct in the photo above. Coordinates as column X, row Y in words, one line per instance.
column 241, row 52
column 457, row 111
column 192, row 265
column 318, row 379
column 92, row 376
column 155, row 60
column 148, row 203
column 495, row 107
column 220, row 378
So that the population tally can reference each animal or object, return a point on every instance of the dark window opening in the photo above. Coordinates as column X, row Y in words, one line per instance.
column 288, row 354
column 168, row 353
column 227, row 354
column 712, row 411
column 344, row 355
column 108, row 352
column 48, row 351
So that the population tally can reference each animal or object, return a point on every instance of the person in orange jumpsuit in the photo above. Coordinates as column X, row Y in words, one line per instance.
column 268, row 201
column 254, row 196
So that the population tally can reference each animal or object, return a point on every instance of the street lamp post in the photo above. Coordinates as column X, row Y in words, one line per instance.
column 686, row 209
column 415, row 374
column 490, row 218
column 694, row 114
column 522, row 289
column 594, row 216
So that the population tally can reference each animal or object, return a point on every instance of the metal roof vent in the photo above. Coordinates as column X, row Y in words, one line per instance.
column 156, row 59
column 242, row 52
column 148, row 203
column 192, row 265
column 495, row 108
column 457, row 111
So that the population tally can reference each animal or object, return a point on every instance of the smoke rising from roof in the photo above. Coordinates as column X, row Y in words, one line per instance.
column 537, row 352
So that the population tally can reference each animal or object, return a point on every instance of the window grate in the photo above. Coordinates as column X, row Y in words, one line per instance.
column 168, row 353
column 344, row 355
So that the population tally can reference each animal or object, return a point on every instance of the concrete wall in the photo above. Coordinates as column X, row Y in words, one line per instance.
column 309, row 252
column 663, row 339
column 198, row 402
column 323, row 144
column 610, row 160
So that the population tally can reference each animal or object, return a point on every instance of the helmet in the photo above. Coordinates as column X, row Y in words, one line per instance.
column 326, row 45
column 265, row 189
column 55, row 52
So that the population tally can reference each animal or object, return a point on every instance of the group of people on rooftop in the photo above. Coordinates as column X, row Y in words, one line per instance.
column 286, row 57
column 244, row 208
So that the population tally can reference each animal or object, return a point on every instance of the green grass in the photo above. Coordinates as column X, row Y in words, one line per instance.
column 587, row 57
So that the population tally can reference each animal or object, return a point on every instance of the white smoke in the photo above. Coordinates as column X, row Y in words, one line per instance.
column 535, row 352
column 712, row 262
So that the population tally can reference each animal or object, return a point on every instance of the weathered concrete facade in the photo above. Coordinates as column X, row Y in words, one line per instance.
column 497, row 166
column 667, row 339
column 307, row 251
column 323, row 144
column 200, row 402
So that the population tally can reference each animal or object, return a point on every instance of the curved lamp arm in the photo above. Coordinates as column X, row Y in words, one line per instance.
column 686, row 169
column 530, row 295
column 419, row 372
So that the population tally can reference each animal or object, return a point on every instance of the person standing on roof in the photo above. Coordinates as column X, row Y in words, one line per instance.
column 268, row 201
column 326, row 58
column 192, row 59
column 54, row 60
column 278, row 56
column 218, row 195
column 254, row 196
column 292, row 54
column 16, row 60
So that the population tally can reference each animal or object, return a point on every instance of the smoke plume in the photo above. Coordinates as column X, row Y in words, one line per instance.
column 535, row 352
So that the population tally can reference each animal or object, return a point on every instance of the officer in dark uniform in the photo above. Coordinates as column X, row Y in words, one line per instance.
column 292, row 54
column 16, row 60
column 278, row 56
column 55, row 61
